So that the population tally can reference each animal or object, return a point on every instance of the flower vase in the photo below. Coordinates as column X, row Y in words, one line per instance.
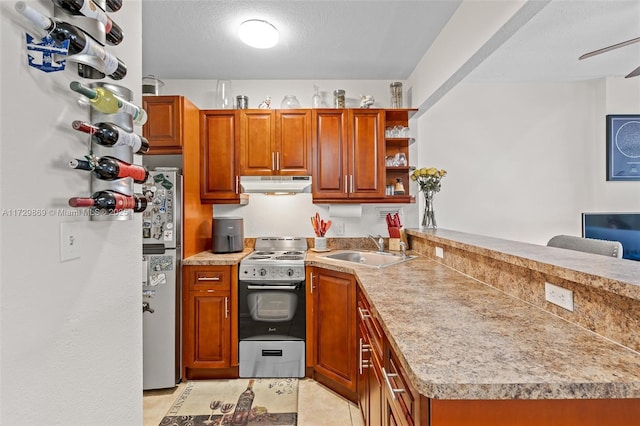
column 429, row 215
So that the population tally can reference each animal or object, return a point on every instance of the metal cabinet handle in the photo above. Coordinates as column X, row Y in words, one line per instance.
column 364, row 313
column 351, row 187
column 226, row 307
column 364, row 363
column 277, row 160
column 208, row 278
column 273, row 161
column 391, row 388
column 346, row 188
column 237, row 184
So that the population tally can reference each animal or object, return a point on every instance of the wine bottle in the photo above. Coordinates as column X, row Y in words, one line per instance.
column 111, row 201
column 80, row 43
column 243, row 406
column 113, row 32
column 109, row 134
column 113, row 5
column 108, row 102
column 111, row 168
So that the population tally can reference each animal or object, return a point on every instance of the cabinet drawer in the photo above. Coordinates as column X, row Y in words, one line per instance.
column 400, row 387
column 209, row 278
column 372, row 325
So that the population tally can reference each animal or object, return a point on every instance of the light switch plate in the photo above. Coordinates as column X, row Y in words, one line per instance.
column 439, row 252
column 69, row 242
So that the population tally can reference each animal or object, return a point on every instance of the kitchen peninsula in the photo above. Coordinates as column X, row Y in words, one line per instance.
column 480, row 345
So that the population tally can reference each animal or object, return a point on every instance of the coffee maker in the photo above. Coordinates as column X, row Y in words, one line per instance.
column 227, row 235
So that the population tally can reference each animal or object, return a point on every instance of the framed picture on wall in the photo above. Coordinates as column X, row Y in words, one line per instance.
column 623, row 147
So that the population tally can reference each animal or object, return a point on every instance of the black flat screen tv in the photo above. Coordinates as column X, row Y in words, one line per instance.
column 623, row 227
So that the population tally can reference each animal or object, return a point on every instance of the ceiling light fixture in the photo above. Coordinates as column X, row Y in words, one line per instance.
column 258, row 33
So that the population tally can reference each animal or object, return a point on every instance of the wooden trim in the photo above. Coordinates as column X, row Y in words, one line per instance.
column 541, row 412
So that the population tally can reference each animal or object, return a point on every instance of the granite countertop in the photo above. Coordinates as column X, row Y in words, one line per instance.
column 619, row 276
column 209, row 258
column 458, row 338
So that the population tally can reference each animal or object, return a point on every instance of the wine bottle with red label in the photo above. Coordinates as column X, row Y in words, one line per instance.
column 113, row 32
column 111, row 201
column 109, row 134
column 111, row 168
column 80, row 43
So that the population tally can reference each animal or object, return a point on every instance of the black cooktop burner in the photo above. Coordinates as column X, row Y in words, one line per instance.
column 259, row 257
column 297, row 253
column 263, row 253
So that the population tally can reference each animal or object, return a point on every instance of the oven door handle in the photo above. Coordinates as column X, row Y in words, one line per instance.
column 272, row 287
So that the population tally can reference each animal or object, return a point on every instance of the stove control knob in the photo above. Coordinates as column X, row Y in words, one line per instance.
column 290, row 272
column 263, row 272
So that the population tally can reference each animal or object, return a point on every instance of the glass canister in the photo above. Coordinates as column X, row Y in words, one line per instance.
column 338, row 98
column 242, row 101
column 396, row 94
column 289, row 102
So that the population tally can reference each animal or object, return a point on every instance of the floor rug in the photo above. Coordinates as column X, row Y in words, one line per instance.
column 270, row 402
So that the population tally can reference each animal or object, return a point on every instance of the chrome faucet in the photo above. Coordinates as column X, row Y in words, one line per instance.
column 379, row 242
column 403, row 247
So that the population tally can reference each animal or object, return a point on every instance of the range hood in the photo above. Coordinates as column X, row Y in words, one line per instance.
column 275, row 184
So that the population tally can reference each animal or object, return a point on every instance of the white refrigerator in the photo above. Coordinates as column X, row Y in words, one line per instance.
column 161, row 279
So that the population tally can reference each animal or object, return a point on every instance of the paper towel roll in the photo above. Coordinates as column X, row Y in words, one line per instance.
column 345, row 210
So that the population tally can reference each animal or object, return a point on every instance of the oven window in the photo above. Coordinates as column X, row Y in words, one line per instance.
column 272, row 306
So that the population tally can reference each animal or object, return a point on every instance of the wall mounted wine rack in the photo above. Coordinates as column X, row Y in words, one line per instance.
column 124, row 120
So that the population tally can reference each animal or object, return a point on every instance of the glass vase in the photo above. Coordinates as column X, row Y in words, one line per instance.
column 429, row 215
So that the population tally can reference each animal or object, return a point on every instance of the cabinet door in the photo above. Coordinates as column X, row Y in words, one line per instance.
column 163, row 128
column 335, row 331
column 366, row 154
column 257, row 147
column 293, row 142
column 209, row 329
column 330, row 164
column 364, row 365
column 219, row 178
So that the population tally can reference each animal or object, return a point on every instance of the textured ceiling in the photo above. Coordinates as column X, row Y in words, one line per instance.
column 361, row 39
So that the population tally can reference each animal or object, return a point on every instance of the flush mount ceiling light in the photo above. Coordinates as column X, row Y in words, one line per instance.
column 258, row 33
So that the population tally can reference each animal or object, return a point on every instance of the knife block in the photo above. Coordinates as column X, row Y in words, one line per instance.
column 394, row 244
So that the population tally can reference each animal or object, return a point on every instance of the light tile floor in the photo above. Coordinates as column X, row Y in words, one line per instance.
column 317, row 406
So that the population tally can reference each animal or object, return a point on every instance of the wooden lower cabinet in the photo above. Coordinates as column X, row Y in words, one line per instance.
column 333, row 328
column 209, row 322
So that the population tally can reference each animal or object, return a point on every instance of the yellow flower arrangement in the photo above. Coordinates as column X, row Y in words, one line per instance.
column 428, row 178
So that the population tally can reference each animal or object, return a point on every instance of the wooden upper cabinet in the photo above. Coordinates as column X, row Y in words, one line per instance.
column 275, row 142
column 220, row 180
column 366, row 153
column 293, row 142
column 349, row 154
column 165, row 124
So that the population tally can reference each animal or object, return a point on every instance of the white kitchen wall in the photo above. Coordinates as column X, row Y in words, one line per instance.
column 289, row 215
column 71, row 331
column 525, row 159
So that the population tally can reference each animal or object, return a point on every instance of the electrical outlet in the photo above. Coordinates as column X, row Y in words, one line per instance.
column 439, row 252
column 69, row 242
column 559, row 296
column 338, row 227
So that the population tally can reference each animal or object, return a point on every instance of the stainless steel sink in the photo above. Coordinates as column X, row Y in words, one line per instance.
column 370, row 258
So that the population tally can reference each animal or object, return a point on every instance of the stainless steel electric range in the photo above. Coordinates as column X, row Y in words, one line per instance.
column 272, row 309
